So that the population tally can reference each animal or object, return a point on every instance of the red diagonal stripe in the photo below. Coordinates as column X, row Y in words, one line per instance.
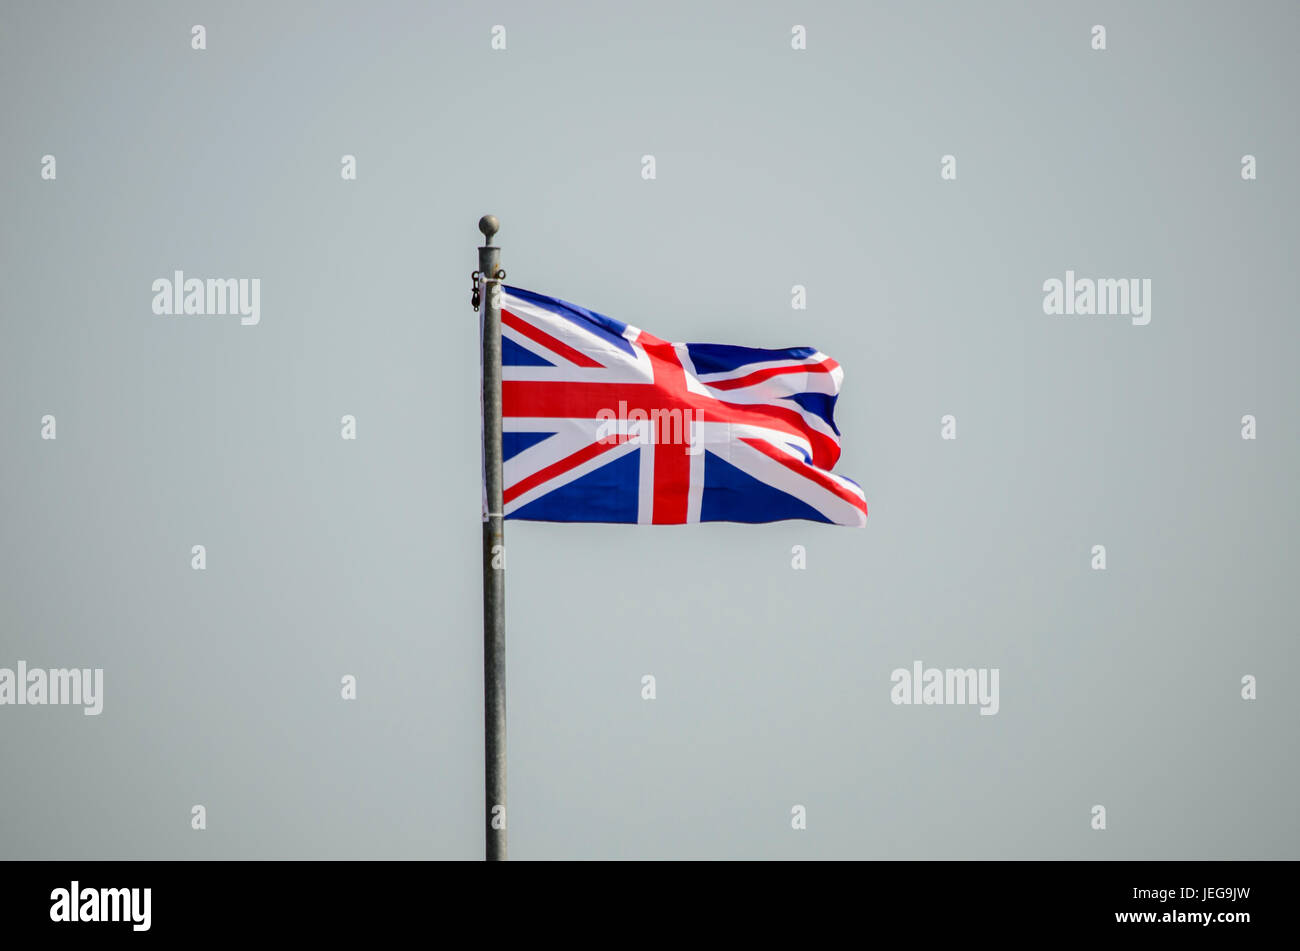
column 806, row 470
column 554, row 344
column 758, row 376
column 563, row 466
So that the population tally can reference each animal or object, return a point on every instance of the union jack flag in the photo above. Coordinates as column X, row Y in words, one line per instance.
column 604, row 422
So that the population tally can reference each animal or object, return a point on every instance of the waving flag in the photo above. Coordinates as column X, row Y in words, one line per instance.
column 603, row 422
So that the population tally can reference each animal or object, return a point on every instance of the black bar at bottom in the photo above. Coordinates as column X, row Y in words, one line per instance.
column 333, row 899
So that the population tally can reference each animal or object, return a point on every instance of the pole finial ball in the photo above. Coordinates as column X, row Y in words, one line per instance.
column 489, row 225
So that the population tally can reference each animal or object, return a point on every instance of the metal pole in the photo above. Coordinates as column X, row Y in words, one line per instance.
column 494, row 551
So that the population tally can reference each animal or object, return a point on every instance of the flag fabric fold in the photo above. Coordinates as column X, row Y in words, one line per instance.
column 604, row 422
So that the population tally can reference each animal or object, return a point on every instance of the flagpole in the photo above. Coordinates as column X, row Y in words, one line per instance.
column 494, row 575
